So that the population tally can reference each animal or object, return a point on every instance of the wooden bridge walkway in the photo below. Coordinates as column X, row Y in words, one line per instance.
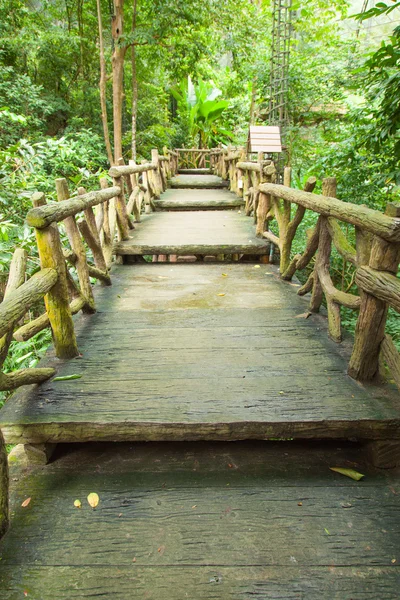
column 209, row 352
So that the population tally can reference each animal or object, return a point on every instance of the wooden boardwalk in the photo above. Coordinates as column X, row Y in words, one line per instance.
column 187, row 233
column 189, row 358
column 203, row 521
column 198, row 199
column 203, row 351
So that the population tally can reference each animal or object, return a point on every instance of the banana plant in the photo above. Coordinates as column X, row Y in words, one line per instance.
column 200, row 104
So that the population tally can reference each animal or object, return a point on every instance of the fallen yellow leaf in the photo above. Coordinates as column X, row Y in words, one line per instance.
column 224, row 275
column 93, row 499
column 78, row 504
column 26, row 502
column 348, row 473
column 257, row 267
column 221, row 294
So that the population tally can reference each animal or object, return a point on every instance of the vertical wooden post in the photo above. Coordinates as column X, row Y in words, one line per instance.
column 324, row 247
column 147, row 194
column 371, row 323
column 56, row 301
column 4, row 483
column 120, row 209
column 155, row 175
column 78, row 248
column 264, row 200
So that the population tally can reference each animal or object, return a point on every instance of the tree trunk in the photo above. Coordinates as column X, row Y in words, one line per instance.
column 118, row 76
column 102, row 85
column 134, row 84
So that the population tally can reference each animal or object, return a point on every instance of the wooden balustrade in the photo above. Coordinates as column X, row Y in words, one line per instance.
column 193, row 158
column 375, row 254
column 96, row 229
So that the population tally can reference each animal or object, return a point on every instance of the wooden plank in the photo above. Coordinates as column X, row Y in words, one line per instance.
column 198, row 181
column 196, row 199
column 202, row 582
column 178, row 361
column 186, row 233
column 264, row 128
column 268, row 147
column 217, row 521
column 195, row 171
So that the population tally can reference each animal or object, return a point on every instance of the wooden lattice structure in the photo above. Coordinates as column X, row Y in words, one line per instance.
column 280, row 50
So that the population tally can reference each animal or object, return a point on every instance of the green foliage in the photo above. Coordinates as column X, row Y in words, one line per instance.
column 24, row 355
column 202, row 110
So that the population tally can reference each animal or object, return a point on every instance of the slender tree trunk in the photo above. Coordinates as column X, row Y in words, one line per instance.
column 134, row 84
column 103, row 80
column 253, row 101
column 118, row 76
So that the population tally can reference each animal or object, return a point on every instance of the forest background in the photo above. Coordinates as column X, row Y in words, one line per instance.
column 344, row 92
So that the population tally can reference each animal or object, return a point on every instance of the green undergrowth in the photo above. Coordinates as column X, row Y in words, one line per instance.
column 342, row 274
column 25, row 355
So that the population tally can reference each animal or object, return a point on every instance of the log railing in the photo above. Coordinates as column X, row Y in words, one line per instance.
column 104, row 214
column 65, row 295
column 375, row 254
column 193, row 158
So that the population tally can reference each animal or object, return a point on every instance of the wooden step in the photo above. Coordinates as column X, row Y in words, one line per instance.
column 202, row 521
column 201, row 352
column 197, row 199
column 194, row 172
column 198, row 181
column 193, row 233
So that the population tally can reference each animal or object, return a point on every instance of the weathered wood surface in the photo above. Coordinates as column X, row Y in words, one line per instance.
column 43, row 216
column 195, row 171
column 192, row 521
column 168, row 357
column 192, row 199
column 184, row 233
column 198, row 181
column 18, row 302
column 361, row 216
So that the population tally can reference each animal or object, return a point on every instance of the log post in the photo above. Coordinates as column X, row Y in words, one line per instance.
column 264, row 200
column 78, row 248
column 108, row 225
column 4, row 483
column 15, row 279
column 324, row 248
column 56, row 300
column 155, row 175
column 120, row 209
column 370, row 328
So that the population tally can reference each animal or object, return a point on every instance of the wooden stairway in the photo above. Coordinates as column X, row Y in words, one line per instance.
column 189, row 358
column 200, row 352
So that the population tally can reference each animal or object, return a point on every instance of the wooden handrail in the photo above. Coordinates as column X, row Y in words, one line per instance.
column 131, row 169
column 380, row 284
column 249, row 166
column 366, row 218
column 43, row 216
column 375, row 256
column 19, row 301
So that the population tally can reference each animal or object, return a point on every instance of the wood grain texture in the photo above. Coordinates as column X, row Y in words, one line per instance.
column 202, row 521
column 43, row 216
column 198, row 181
column 195, row 199
column 168, row 357
column 361, row 216
column 184, row 233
